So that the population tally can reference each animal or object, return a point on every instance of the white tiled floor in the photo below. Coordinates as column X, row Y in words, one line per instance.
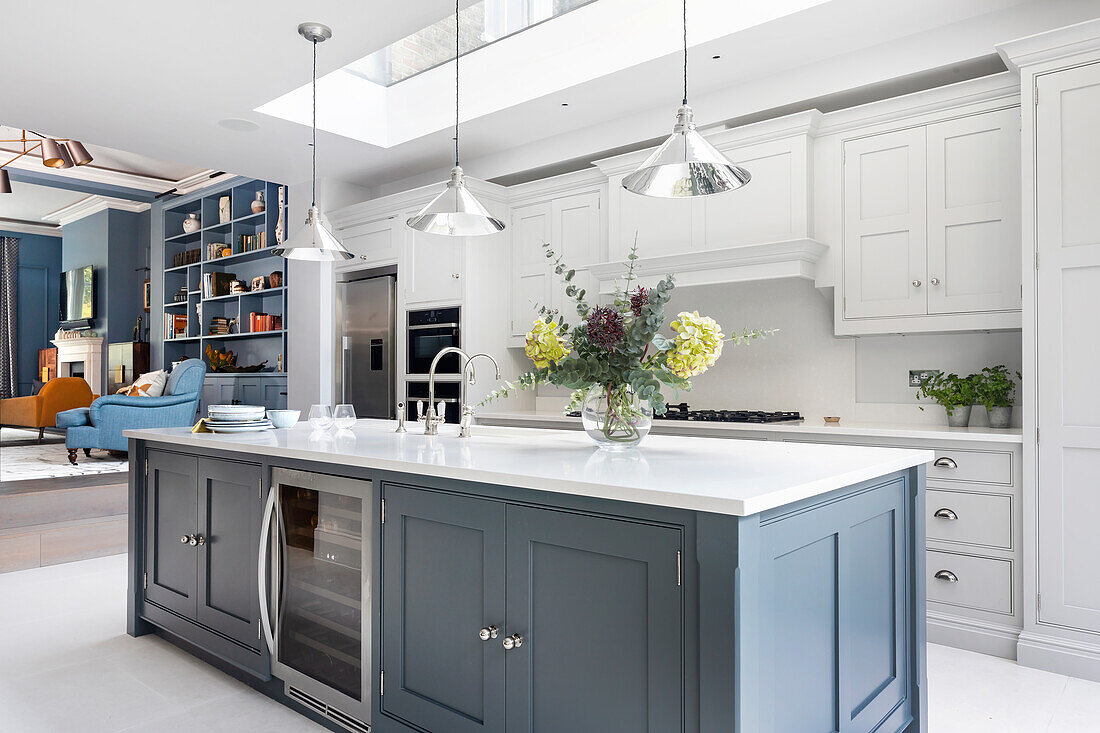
column 66, row 664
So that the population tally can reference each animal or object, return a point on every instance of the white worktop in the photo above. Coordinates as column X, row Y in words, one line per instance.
column 811, row 429
column 724, row 476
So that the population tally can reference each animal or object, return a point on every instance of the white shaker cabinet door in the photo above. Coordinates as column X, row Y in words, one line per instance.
column 575, row 234
column 974, row 213
column 1067, row 158
column 530, row 268
column 434, row 267
column 885, row 240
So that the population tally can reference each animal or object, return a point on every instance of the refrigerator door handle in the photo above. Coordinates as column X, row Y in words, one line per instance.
column 261, row 570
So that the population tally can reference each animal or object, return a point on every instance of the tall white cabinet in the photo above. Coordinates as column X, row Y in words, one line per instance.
column 1060, row 75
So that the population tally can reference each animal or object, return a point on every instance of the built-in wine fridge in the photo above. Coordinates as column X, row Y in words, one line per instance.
column 315, row 605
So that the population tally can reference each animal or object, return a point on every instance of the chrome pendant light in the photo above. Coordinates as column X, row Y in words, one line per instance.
column 686, row 164
column 455, row 212
column 314, row 241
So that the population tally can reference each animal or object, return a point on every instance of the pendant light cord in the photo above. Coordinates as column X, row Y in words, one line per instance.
column 314, row 121
column 456, row 83
column 685, row 52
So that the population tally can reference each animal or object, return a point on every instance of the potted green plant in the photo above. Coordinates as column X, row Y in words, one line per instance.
column 954, row 393
column 615, row 359
column 996, row 389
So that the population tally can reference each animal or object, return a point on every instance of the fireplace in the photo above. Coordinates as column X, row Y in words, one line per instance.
column 81, row 357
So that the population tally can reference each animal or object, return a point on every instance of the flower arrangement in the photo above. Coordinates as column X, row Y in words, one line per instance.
column 615, row 359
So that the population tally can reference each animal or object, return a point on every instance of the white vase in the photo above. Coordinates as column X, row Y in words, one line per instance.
column 191, row 223
column 259, row 204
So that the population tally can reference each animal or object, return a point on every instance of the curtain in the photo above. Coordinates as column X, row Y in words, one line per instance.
column 9, row 350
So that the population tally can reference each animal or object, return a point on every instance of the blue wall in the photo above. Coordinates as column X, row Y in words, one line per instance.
column 84, row 242
column 38, row 300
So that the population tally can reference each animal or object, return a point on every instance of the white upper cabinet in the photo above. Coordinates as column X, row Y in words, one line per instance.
column 576, row 235
column 530, row 271
column 371, row 243
column 974, row 213
column 433, row 267
column 884, row 225
column 931, row 229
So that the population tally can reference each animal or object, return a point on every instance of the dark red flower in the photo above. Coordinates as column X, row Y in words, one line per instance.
column 604, row 327
column 638, row 300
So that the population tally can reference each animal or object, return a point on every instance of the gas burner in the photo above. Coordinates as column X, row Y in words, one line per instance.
column 682, row 412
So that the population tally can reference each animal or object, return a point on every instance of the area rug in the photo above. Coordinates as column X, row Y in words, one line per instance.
column 22, row 462
column 26, row 436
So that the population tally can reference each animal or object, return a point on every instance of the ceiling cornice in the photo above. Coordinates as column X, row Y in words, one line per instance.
column 92, row 205
column 29, row 227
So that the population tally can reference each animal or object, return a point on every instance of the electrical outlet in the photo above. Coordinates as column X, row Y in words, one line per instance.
column 918, row 377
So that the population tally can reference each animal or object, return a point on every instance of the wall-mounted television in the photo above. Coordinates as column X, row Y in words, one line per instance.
column 78, row 293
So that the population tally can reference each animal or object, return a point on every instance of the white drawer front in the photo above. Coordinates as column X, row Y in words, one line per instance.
column 987, row 467
column 981, row 583
column 976, row 519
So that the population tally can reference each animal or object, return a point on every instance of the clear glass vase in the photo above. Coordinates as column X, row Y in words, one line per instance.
column 614, row 417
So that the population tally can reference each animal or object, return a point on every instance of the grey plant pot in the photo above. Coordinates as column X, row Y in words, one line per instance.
column 1000, row 417
column 959, row 417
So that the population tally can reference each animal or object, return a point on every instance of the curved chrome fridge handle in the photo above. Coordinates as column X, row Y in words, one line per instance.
column 261, row 570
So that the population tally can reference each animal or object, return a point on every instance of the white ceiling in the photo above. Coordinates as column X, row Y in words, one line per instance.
column 155, row 78
column 30, row 203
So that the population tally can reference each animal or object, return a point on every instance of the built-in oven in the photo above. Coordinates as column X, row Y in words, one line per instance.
column 430, row 331
column 416, row 394
column 316, row 539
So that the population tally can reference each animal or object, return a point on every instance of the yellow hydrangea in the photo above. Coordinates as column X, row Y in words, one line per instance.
column 544, row 345
column 698, row 344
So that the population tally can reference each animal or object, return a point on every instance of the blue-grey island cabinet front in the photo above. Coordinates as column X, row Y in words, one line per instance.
column 519, row 582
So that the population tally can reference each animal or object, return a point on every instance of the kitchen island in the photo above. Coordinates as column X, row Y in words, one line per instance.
column 521, row 580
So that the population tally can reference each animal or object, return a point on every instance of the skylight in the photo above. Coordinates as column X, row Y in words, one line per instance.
column 482, row 23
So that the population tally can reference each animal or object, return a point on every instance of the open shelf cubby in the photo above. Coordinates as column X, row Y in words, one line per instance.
column 232, row 241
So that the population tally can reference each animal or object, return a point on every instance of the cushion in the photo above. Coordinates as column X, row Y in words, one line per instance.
column 150, row 384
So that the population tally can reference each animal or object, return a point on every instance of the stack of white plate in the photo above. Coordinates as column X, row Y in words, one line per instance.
column 237, row 418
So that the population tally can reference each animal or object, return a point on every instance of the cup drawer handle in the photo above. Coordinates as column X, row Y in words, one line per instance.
column 945, row 513
column 945, row 462
column 947, row 575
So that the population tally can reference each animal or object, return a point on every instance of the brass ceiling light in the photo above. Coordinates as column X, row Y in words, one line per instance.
column 57, row 153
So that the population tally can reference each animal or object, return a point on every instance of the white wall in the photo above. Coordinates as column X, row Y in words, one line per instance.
column 805, row 368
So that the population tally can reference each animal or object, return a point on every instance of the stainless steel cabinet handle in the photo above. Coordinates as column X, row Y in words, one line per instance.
column 947, row 575
column 454, row 275
column 945, row 462
column 946, row 513
column 916, row 283
column 193, row 540
column 489, row 632
column 200, row 540
column 185, row 539
column 261, row 568
column 515, row 641
column 935, row 281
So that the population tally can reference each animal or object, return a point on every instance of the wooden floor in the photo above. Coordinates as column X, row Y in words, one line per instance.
column 51, row 521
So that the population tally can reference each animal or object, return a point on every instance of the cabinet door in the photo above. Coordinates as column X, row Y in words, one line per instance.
column 249, row 391
column 974, row 213
column 442, row 582
column 885, row 246
column 575, row 234
column 661, row 226
column 171, row 513
column 530, row 268
column 434, row 267
column 374, row 241
column 229, row 509
column 1067, row 158
column 598, row 604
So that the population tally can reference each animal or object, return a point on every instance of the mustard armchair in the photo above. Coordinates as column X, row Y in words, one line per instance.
column 40, row 410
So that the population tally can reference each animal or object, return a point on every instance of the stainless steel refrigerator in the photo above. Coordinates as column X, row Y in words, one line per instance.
column 366, row 314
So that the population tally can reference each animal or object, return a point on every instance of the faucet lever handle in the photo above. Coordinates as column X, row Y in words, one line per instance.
column 420, row 411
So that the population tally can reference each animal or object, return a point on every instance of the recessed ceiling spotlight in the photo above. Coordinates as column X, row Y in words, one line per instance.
column 565, row 104
column 236, row 124
column 716, row 56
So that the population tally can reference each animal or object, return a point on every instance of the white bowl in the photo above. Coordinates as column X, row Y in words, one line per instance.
column 283, row 418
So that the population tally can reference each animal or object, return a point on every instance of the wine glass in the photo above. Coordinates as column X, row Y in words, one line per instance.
column 320, row 417
column 344, row 416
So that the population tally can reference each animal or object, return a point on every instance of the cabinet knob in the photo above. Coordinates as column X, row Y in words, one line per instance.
column 947, row 576
column 946, row 513
column 454, row 275
column 945, row 462
column 192, row 540
column 935, row 281
column 185, row 539
column 200, row 540
column 489, row 632
column 916, row 283
column 515, row 641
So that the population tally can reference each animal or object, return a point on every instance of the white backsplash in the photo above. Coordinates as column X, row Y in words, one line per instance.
column 804, row 367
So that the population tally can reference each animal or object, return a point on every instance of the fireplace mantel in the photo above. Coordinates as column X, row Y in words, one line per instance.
column 86, row 351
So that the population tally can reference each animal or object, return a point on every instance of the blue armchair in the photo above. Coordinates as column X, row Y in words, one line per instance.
column 101, row 425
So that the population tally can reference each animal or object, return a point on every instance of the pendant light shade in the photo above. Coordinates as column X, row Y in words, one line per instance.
column 5, row 181
column 455, row 212
column 314, row 242
column 685, row 165
column 51, row 154
column 78, row 153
